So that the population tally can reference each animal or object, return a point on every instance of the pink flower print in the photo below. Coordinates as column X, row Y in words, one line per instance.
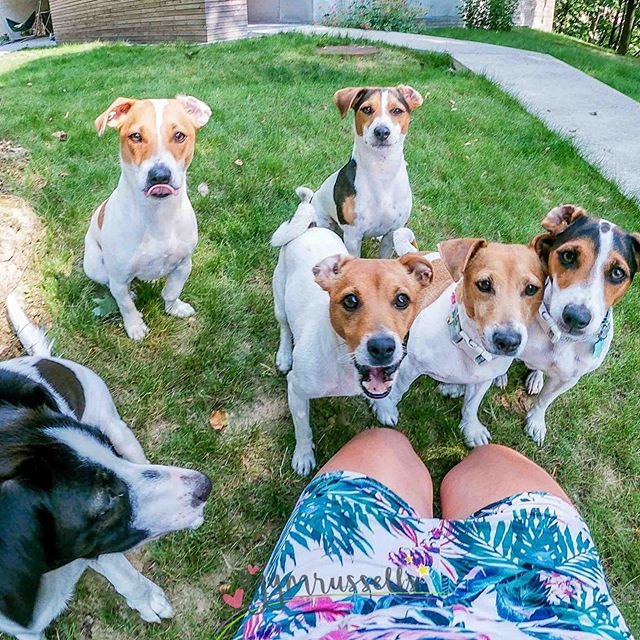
column 253, row 629
column 560, row 588
column 325, row 609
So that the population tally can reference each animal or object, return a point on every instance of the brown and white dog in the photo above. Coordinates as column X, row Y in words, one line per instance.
column 147, row 228
column 370, row 196
column 471, row 333
column 342, row 321
column 591, row 263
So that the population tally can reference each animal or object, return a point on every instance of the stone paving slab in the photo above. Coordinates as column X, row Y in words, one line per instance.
column 602, row 123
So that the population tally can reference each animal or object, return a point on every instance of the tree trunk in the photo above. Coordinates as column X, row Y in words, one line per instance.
column 613, row 36
column 627, row 27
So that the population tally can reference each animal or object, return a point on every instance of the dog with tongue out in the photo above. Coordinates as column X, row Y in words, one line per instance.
column 147, row 228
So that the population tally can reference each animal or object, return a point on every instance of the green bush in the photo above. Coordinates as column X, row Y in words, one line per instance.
column 488, row 14
column 381, row 15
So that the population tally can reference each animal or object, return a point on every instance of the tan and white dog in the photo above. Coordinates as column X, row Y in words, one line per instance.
column 342, row 321
column 147, row 228
column 591, row 263
column 471, row 333
column 370, row 196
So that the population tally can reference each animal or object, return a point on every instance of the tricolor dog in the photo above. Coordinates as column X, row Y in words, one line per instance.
column 76, row 491
column 147, row 228
column 371, row 196
column 342, row 321
column 471, row 333
column 591, row 263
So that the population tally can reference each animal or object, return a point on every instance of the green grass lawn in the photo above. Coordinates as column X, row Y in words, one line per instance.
column 621, row 73
column 480, row 166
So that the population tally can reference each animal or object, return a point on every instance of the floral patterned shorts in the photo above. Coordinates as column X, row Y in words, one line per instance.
column 356, row 561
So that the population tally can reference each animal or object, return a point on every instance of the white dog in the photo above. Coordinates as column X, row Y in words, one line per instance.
column 371, row 196
column 147, row 228
column 342, row 320
column 475, row 327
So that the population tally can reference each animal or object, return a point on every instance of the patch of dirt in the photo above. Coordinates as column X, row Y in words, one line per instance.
column 20, row 232
column 12, row 161
column 349, row 50
column 263, row 409
column 192, row 600
column 157, row 430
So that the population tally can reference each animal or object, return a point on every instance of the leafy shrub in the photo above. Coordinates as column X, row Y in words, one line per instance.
column 488, row 14
column 381, row 15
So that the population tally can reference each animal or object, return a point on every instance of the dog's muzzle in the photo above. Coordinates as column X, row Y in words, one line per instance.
column 376, row 382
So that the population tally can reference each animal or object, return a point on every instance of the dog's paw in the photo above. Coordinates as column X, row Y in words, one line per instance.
column 534, row 382
column 151, row 602
column 304, row 461
column 501, row 381
column 536, row 427
column 386, row 412
column 136, row 329
column 452, row 390
column 179, row 309
column 475, row 434
column 284, row 360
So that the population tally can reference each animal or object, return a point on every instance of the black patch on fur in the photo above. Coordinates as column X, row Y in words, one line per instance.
column 625, row 244
column 344, row 187
column 55, row 507
column 65, row 382
column 365, row 94
column 583, row 227
column 19, row 390
column 401, row 99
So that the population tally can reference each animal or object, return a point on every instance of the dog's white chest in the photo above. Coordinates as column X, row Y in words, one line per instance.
column 380, row 205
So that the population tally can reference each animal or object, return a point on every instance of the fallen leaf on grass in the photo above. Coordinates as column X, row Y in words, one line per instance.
column 238, row 162
column 60, row 135
column 203, row 189
column 218, row 419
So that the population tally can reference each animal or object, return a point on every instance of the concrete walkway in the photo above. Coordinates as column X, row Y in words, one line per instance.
column 603, row 123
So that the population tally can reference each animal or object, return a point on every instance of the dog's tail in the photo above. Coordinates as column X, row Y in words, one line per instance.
column 33, row 339
column 404, row 241
column 302, row 219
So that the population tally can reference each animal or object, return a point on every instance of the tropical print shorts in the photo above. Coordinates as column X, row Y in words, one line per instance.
column 355, row 561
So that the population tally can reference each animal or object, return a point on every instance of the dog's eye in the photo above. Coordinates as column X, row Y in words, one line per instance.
column 135, row 137
column 401, row 301
column 367, row 110
column 397, row 111
column 617, row 274
column 484, row 285
column 178, row 136
column 568, row 257
column 531, row 290
column 350, row 302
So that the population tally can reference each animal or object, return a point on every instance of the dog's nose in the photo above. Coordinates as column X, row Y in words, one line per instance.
column 201, row 487
column 507, row 341
column 381, row 132
column 159, row 174
column 576, row 316
column 381, row 349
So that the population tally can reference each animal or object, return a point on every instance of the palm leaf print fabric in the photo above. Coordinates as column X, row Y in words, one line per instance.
column 356, row 562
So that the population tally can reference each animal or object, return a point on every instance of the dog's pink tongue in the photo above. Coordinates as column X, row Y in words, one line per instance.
column 377, row 382
column 161, row 190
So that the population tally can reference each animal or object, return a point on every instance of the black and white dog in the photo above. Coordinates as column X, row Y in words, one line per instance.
column 76, row 490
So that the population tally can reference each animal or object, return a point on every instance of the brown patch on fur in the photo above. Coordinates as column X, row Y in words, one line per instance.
column 404, row 118
column 176, row 119
column 509, row 268
column 439, row 283
column 375, row 283
column 559, row 218
column 141, row 119
column 349, row 209
column 410, row 96
column 456, row 254
column 112, row 117
column 373, row 102
column 65, row 382
column 580, row 271
column 344, row 98
column 101, row 212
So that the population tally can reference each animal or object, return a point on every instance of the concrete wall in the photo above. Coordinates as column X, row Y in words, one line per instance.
column 149, row 20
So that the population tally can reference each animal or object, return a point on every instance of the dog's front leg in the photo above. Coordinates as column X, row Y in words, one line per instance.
column 475, row 433
column 173, row 288
column 146, row 597
column 352, row 239
column 304, row 459
column 536, row 421
column 133, row 323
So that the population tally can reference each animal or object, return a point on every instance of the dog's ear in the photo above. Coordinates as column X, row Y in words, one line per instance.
column 542, row 245
column 635, row 239
column 326, row 271
column 457, row 253
column 199, row 112
column 344, row 98
column 418, row 266
column 410, row 95
column 112, row 117
column 559, row 218
column 22, row 558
